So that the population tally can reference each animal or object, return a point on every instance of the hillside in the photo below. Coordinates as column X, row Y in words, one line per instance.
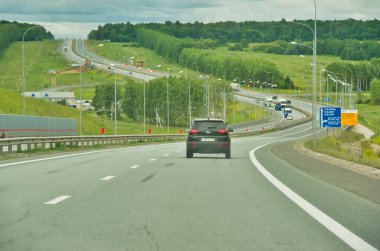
column 40, row 57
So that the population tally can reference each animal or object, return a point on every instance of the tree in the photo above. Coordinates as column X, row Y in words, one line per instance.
column 375, row 91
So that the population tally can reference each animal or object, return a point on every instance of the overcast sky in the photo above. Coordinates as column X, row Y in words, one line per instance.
column 76, row 18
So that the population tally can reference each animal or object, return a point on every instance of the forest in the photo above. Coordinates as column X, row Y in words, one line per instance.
column 14, row 31
column 160, row 93
column 350, row 39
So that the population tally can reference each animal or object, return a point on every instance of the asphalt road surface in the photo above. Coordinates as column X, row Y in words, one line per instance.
column 153, row 198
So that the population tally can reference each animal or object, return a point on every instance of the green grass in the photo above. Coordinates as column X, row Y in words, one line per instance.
column 298, row 68
column 369, row 116
column 40, row 57
column 122, row 51
column 11, row 103
column 242, row 112
column 339, row 145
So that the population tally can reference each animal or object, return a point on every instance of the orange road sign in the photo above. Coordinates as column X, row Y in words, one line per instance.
column 349, row 117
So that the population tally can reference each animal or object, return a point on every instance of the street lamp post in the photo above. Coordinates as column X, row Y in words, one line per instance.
column 167, row 101
column 336, row 80
column 115, row 100
column 190, row 99
column 115, row 103
column 314, row 107
column 314, row 49
column 184, row 60
column 23, row 66
column 80, row 97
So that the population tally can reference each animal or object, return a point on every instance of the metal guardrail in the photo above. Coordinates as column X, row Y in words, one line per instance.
column 9, row 145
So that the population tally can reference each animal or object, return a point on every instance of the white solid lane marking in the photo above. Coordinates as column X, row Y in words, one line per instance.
column 135, row 166
column 107, row 178
column 57, row 200
column 152, row 160
column 60, row 157
column 340, row 231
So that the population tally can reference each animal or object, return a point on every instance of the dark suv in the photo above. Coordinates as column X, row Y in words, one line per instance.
column 208, row 136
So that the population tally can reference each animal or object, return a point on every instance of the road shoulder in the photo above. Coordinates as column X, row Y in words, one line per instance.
column 349, row 176
column 355, row 167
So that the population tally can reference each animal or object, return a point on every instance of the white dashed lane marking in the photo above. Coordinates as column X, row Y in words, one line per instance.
column 107, row 178
column 57, row 200
column 166, row 155
column 152, row 160
column 135, row 166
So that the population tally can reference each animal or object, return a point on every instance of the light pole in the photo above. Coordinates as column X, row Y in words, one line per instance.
column 80, row 97
column 115, row 107
column 336, row 80
column 314, row 48
column 190, row 99
column 184, row 60
column 320, row 72
column 327, row 87
column 23, row 66
column 167, row 101
column 314, row 107
column 144, row 106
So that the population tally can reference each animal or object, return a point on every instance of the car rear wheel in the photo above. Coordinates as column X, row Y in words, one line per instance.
column 189, row 153
column 228, row 154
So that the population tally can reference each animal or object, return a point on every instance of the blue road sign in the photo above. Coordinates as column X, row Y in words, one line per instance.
column 330, row 117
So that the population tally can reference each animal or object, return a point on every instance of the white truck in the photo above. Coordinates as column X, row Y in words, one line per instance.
column 267, row 101
column 235, row 86
column 288, row 113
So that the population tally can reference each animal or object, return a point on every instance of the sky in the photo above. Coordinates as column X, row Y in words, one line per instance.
column 76, row 18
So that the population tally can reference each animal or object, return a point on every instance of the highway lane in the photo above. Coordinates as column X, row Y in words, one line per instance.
column 97, row 61
column 276, row 118
column 118, row 67
column 153, row 198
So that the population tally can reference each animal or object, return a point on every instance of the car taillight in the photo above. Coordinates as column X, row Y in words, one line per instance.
column 193, row 132
column 223, row 132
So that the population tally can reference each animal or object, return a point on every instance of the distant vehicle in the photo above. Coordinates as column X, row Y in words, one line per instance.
column 274, row 97
column 288, row 112
column 235, row 86
column 278, row 106
column 267, row 101
column 65, row 49
column 289, row 117
column 283, row 102
column 111, row 67
column 257, row 100
column 208, row 136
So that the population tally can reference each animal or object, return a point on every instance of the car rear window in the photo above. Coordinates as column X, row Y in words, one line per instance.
column 208, row 125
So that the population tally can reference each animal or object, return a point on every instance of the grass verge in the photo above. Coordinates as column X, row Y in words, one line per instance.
column 349, row 146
